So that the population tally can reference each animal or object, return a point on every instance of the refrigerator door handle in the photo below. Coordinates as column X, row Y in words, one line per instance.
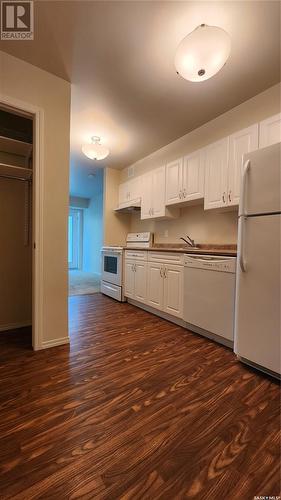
column 243, row 188
column 242, row 261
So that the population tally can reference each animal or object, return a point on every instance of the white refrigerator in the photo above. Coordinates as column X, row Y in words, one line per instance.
column 257, row 308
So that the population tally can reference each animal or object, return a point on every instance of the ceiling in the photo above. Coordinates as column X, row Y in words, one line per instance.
column 119, row 57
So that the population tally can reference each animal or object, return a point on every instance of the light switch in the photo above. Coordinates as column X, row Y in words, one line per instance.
column 166, row 233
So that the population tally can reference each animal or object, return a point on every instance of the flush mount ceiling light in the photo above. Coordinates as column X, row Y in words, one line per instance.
column 95, row 150
column 202, row 53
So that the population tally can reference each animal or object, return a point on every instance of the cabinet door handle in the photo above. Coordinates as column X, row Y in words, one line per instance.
column 152, row 211
column 165, row 272
column 161, row 274
column 223, row 197
column 135, row 268
column 229, row 196
column 180, row 195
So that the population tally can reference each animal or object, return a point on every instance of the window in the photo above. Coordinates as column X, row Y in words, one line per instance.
column 75, row 236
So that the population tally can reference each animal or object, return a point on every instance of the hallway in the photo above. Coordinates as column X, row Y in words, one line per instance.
column 83, row 283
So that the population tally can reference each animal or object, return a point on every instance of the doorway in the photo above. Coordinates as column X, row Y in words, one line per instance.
column 32, row 212
column 16, row 175
column 85, row 232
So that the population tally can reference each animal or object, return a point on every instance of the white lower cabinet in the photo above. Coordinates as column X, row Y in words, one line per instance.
column 129, row 278
column 140, row 281
column 165, row 288
column 173, row 290
column 157, row 283
column 135, row 280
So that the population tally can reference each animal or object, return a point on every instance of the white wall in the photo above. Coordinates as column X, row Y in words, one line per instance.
column 22, row 81
column 204, row 226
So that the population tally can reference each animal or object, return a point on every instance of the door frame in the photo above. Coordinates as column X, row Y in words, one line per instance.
column 14, row 105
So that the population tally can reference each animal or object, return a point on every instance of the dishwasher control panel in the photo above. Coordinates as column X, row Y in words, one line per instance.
column 217, row 263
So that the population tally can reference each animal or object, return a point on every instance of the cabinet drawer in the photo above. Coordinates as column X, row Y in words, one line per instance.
column 136, row 254
column 111, row 290
column 166, row 257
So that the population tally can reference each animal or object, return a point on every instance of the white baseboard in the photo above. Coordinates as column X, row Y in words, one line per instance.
column 53, row 343
column 15, row 326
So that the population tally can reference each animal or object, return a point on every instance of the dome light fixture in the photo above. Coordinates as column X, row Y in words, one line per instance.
column 95, row 150
column 202, row 53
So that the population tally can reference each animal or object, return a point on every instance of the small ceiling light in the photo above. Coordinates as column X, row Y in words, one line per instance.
column 202, row 53
column 95, row 150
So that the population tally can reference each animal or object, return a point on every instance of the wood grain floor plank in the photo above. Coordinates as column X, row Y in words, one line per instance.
column 134, row 408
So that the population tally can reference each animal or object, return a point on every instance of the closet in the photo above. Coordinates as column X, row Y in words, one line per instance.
column 16, row 152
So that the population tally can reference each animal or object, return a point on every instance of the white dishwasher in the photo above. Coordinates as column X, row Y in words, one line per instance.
column 209, row 294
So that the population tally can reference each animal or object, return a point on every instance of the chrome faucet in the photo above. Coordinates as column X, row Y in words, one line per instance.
column 189, row 241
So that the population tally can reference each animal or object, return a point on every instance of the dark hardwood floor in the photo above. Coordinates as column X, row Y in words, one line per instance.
column 134, row 408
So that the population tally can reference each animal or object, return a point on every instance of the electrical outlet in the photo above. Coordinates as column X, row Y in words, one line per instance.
column 166, row 233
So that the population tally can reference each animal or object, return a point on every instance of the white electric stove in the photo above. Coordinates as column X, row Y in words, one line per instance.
column 112, row 264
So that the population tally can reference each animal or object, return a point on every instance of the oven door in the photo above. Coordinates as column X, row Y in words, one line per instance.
column 112, row 266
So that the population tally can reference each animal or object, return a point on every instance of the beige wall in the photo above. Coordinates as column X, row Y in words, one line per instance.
column 20, row 80
column 115, row 226
column 204, row 226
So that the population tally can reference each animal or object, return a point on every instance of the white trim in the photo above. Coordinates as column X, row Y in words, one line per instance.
column 15, row 326
column 38, row 172
column 52, row 343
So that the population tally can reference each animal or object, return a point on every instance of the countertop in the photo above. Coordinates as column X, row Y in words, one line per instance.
column 227, row 250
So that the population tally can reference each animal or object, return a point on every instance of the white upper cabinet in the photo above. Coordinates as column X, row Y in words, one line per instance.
column 153, row 195
column 174, row 181
column 270, row 131
column 123, row 193
column 216, row 174
column 146, row 196
column 158, row 192
column 193, row 175
column 185, row 179
column 241, row 142
column 129, row 191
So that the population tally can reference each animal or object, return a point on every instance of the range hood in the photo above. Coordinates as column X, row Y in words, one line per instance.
column 129, row 206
